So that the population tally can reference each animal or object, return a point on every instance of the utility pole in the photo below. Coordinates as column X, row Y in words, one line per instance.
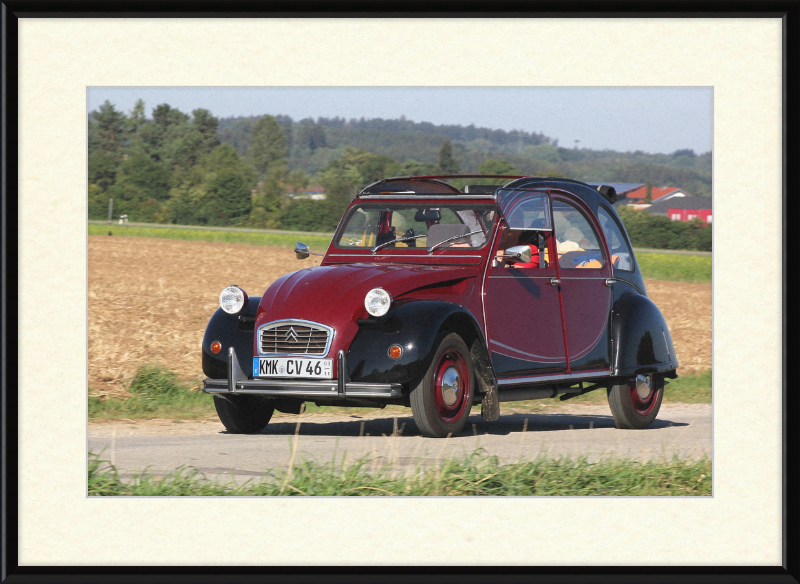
column 110, row 209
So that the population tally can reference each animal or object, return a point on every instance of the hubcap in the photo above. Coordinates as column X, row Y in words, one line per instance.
column 451, row 384
column 643, row 386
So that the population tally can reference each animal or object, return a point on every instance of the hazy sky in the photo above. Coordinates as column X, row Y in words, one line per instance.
column 652, row 119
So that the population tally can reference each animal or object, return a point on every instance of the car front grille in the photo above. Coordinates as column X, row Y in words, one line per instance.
column 294, row 338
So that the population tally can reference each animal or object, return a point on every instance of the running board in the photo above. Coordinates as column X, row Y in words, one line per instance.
column 560, row 378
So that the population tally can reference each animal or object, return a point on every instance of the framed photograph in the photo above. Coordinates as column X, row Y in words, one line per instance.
column 747, row 530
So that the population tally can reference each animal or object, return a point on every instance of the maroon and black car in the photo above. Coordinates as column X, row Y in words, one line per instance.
column 439, row 298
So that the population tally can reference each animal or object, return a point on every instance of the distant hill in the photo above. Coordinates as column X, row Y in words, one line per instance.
column 314, row 143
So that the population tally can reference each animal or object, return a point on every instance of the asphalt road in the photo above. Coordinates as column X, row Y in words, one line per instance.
column 680, row 429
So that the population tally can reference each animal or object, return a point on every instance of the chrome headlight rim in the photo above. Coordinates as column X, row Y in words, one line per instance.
column 381, row 308
column 233, row 299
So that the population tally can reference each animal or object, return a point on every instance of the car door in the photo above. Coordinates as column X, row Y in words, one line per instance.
column 584, row 272
column 521, row 304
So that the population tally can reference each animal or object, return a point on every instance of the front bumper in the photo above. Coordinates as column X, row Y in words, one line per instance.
column 239, row 382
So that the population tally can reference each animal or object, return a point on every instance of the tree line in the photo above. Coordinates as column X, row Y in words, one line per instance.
column 195, row 169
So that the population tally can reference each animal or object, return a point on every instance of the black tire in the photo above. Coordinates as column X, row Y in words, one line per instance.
column 636, row 409
column 442, row 400
column 243, row 414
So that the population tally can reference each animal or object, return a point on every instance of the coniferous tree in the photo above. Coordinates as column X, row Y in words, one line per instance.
column 447, row 164
column 107, row 130
column 137, row 119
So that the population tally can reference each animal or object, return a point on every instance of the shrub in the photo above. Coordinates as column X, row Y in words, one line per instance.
column 659, row 232
column 308, row 215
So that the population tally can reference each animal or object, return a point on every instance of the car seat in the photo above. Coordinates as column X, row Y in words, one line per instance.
column 438, row 233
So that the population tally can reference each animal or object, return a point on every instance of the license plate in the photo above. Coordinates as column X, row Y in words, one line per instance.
column 292, row 367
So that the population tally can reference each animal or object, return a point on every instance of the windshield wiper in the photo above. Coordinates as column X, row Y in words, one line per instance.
column 377, row 247
column 430, row 251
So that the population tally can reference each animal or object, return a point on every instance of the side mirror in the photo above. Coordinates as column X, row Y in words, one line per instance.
column 518, row 253
column 301, row 251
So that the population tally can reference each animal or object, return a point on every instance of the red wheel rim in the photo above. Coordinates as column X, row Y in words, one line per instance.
column 643, row 404
column 451, row 386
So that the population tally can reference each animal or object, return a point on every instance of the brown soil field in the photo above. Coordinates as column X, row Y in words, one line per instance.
column 150, row 300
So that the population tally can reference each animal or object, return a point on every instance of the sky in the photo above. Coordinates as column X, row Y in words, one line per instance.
column 625, row 119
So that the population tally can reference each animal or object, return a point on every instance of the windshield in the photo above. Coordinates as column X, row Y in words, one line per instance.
column 405, row 225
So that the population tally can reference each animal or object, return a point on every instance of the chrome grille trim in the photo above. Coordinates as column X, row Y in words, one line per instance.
column 295, row 338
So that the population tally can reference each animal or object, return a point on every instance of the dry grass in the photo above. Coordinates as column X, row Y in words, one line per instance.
column 150, row 300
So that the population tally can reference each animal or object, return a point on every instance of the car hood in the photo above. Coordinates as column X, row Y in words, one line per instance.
column 330, row 294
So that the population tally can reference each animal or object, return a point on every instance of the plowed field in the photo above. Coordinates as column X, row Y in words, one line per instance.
column 150, row 300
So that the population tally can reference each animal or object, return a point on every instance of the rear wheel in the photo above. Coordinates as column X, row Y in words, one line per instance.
column 635, row 404
column 442, row 401
column 243, row 414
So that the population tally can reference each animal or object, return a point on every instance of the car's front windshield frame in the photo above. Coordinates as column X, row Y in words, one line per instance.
column 487, row 214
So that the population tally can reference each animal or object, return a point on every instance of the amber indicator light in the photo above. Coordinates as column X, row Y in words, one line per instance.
column 216, row 347
column 395, row 351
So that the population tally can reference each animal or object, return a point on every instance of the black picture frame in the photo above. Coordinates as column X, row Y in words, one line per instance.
column 12, row 572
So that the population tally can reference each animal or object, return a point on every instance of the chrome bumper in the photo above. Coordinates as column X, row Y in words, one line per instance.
column 339, row 388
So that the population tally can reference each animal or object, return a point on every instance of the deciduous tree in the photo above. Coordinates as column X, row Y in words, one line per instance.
column 269, row 144
column 495, row 166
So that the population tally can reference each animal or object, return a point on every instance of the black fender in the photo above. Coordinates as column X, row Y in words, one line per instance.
column 417, row 326
column 230, row 331
column 641, row 342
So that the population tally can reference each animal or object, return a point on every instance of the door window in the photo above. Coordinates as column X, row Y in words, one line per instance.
column 577, row 243
column 527, row 224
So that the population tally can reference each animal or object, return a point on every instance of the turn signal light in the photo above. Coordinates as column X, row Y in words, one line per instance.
column 216, row 347
column 395, row 351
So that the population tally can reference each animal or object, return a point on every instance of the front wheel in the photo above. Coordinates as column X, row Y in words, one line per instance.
column 442, row 401
column 243, row 414
column 635, row 404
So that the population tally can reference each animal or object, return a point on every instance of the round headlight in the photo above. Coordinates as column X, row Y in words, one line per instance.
column 377, row 302
column 233, row 299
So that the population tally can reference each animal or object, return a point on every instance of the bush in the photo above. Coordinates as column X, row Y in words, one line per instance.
column 308, row 215
column 659, row 232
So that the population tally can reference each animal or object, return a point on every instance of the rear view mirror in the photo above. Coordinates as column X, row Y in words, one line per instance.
column 301, row 250
column 518, row 253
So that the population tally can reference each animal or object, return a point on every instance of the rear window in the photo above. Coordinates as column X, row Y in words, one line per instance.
column 621, row 256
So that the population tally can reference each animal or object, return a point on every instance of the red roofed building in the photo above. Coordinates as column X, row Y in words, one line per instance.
column 638, row 196
column 683, row 208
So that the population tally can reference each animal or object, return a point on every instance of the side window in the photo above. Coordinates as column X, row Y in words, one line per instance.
column 527, row 224
column 576, row 241
column 621, row 257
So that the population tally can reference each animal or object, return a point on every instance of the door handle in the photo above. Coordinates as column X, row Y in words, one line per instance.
column 554, row 281
column 609, row 282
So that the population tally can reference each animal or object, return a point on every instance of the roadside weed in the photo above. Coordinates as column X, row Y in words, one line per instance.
column 475, row 475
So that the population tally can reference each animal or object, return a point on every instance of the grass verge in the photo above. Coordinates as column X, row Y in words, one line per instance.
column 155, row 392
column 476, row 475
column 676, row 267
column 315, row 242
